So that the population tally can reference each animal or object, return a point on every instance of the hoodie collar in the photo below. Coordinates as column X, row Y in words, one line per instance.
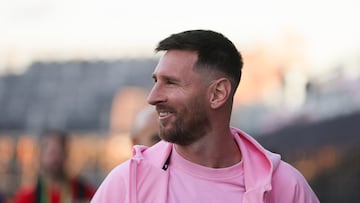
column 259, row 164
column 157, row 155
column 253, row 155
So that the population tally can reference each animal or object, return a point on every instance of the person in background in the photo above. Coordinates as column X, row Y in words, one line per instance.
column 201, row 158
column 145, row 129
column 53, row 185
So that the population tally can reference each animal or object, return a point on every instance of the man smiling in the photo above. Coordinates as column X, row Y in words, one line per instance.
column 201, row 158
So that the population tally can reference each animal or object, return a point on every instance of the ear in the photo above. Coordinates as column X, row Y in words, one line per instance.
column 220, row 91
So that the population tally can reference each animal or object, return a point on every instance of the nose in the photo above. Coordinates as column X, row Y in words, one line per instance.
column 156, row 95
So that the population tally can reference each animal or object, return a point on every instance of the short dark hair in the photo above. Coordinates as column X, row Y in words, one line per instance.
column 215, row 51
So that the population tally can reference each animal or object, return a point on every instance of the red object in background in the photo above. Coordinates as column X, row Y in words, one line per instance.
column 80, row 191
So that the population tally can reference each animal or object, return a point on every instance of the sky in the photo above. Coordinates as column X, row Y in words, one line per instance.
column 52, row 29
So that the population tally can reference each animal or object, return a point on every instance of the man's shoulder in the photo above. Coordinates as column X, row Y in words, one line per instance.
column 287, row 175
column 289, row 182
column 120, row 169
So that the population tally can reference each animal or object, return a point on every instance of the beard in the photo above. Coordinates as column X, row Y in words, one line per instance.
column 190, row 125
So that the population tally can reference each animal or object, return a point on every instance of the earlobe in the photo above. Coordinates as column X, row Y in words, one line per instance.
column 220, row 91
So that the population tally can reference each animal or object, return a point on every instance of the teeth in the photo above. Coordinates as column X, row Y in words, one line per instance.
column 163, row 113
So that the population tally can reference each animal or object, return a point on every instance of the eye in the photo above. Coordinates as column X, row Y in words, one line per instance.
column 170, row 82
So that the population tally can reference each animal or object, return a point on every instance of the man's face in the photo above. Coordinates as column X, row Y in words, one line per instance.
column 180, row 95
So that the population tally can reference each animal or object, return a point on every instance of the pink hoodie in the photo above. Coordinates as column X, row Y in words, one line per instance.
column 143, row 179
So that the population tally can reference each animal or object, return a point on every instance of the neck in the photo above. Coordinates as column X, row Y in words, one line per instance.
column 213, row 150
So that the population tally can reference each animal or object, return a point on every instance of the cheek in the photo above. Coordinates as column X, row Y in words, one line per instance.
column 194, row 108
column 188, row 99
column 199, row 99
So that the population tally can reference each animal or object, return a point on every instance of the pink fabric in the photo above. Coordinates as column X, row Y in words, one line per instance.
column 214, row 183
column 266, row 177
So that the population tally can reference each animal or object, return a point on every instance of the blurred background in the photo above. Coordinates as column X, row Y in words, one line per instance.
column 85, row 67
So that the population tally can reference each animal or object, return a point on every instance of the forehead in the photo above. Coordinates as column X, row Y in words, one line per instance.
column 174, row 62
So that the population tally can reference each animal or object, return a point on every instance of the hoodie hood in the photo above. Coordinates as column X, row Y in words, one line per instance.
column 152, row 160
column 162, row 150
column 259, row 166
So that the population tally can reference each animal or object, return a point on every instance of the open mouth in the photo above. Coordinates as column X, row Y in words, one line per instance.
column 164, row 114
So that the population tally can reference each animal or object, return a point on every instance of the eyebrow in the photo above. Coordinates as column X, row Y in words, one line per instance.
column 165, row 77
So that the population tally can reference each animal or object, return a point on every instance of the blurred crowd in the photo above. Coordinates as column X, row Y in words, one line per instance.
column 56, row 166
